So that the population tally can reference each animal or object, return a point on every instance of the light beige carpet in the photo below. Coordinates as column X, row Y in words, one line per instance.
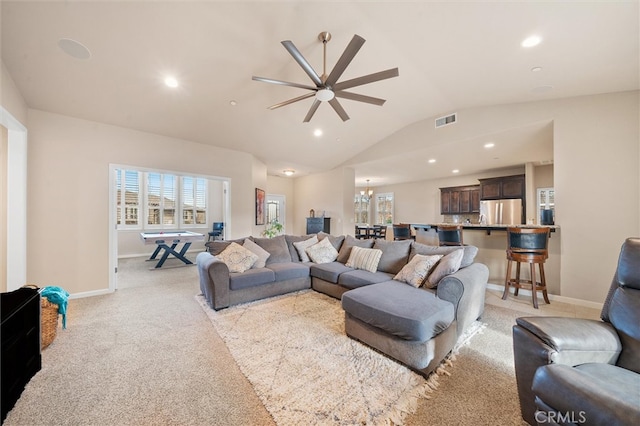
column 305, row 370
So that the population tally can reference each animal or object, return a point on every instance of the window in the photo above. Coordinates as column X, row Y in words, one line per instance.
column 546, row 201
column 194, row 201
column 128, row 198
column 361, row 208
column 384, row 208
column 166, row 201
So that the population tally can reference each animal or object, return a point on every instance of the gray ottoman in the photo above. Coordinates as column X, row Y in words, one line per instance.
column 409, row 324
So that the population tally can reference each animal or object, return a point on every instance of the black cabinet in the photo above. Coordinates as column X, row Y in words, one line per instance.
column 318, row 224
column 460, row 199
column 20, row 348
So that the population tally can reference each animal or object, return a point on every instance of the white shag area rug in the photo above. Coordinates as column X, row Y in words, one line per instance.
column 294, row 351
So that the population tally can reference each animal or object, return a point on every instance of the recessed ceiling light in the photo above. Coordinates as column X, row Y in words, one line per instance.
column 536, row 69
column 531, row 41
column 288, row 172
column 171, row 81
column 233, row 103
column 542, row 89
column 74, row 48
column 489, row 145
column 455, row 171
column 317, row 133
column 431, row 160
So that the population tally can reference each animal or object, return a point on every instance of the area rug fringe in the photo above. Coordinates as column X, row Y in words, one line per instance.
column 286, row 401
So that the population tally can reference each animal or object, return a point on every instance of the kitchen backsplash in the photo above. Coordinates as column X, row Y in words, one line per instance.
column 461, row 218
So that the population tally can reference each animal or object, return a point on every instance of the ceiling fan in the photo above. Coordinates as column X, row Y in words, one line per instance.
column 327, row 88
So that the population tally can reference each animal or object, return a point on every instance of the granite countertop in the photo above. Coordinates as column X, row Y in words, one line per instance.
column 484, row 227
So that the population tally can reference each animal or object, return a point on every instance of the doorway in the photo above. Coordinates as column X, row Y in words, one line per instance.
column 276, row 210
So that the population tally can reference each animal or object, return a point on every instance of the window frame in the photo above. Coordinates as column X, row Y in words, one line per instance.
column 385, row 196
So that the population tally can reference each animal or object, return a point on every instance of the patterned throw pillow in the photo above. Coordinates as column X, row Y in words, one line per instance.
column 417, row 269
column 237, row 258
column 323, row 252
column 446, row 266
column 262, row 254
column 302, row 246
column 364, row 258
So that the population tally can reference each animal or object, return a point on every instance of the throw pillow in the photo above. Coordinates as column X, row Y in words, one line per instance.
column 293, row 252
column 467, row 259
column 446, row 266
column 335, row 241
column 364, row 258
column 417, row 269
column 323, row 252
column 237, row 258
column 262, row 254
column 395, row 254
column 302, row 246
column 349, row 242
column 277, row 246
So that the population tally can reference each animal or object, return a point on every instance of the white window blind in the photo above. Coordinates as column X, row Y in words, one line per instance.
column 161, row 199
column 194, row 201
column 128, row 198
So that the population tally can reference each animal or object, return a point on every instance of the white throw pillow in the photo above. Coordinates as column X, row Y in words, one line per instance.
column 237, row 258
column 323, row 252
column 262, row 254
column 302, row 246
column 446, row 266
column 364, row 258
column 417, row 269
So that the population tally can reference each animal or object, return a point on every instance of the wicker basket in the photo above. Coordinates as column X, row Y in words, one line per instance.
column 49, row 321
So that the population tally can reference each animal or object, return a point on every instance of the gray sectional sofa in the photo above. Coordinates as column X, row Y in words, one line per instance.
column 416, row 326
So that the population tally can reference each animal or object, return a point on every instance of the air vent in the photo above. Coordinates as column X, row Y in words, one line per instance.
column 445, row 121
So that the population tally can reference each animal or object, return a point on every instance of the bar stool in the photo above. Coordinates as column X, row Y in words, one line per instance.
column 450, row 235
column 402, row 231
column 527, row 245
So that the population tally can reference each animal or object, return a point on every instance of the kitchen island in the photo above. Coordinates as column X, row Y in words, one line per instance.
column 491, row 241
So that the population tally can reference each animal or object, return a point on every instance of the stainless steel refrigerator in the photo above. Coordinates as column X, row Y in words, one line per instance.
column 501, row 212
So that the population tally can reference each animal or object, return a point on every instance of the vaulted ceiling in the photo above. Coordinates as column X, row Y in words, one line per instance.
column 450, row 55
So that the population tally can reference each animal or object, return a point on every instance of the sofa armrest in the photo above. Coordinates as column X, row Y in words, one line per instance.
column 539, row 341
column 214, row 280
column 466, row 290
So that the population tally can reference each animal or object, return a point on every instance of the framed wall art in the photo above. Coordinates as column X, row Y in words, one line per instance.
column 260, row 203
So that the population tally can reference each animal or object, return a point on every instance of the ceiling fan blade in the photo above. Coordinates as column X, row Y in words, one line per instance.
column 338, row 108
column 302, row 62
column 284, row 83
column 312, row 110
column 290, row 101
column 360, row 98
column 347, row 56
column 377, row 76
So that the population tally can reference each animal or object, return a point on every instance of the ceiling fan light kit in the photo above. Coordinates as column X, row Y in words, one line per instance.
column 327, row 88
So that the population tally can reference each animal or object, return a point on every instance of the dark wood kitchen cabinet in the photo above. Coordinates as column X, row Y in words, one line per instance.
column 502, row 187
column 460, row 199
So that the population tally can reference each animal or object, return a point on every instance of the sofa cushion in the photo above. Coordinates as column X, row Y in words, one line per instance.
column 237, row 258
column 395, row 254
column 448, row 265
column 467, row 259
column 364, row 258
column 336, row 241
column 277, row 246
column 359, row 278
column 349, row 242
column 262, row 254
column 301, row 248
column 401, row 310
column 328, row 271
column 216, row 247
column 415, row 272
column 290, row 239
column 289, row 271
column 323, row 252
column 251, row 278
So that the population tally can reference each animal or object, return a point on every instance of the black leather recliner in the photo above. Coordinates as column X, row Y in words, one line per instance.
column 580, row 371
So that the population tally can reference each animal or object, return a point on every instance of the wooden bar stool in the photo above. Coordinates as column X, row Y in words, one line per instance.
column 450, row 235
column 527, row 245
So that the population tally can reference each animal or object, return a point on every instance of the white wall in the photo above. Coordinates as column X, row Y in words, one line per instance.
column 68, row 171
column 596, row 174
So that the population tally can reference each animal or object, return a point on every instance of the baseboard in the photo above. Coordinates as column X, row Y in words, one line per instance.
column 90, row 294
column 563, row 299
